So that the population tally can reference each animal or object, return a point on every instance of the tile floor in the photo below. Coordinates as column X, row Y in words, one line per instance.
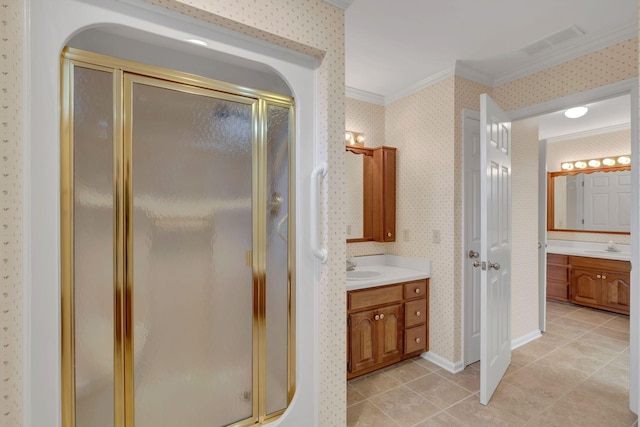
column 576, row 374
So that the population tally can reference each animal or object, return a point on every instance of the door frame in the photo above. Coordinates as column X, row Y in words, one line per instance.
column 542, row 235
column 624, row 87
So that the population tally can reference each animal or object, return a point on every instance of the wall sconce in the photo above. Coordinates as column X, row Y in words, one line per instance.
column 599, row 163
column 354, row 138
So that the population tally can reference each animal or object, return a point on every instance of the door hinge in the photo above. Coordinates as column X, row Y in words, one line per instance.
column 348, row 366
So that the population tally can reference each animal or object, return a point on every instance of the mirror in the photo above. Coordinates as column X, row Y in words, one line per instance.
column 358, row 164
column 593, row 201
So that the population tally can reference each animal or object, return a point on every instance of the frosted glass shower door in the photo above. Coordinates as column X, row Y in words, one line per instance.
column 191, row 175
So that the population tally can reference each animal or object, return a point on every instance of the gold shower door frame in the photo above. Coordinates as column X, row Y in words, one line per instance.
column 125, row 73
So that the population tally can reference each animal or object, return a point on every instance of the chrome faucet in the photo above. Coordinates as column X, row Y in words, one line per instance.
column 351, row 264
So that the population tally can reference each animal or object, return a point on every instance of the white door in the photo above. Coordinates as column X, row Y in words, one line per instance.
column 471, row 154
column 495, row 247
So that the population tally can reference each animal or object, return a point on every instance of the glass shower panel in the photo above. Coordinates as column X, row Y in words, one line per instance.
column 93, row 246
column 277, row 278
column 192, row 287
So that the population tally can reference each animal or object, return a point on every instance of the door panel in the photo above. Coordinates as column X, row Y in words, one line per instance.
column 364, row 340
column 495, row 253
column 585, row 287
column 616, row 290
column 390, row 332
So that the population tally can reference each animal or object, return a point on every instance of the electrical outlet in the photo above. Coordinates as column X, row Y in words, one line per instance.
column 405, row 234
column 436, row 236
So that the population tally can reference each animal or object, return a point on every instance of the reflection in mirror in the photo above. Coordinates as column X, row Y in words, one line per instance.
column 359, row 212
column 590, row 201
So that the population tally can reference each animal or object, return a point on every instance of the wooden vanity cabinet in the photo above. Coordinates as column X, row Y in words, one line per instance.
column 385, row 325
column 601, row 283
column 558, row 277
column 384, row 194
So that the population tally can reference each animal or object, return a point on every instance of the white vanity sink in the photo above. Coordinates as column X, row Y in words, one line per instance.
column 363, row 275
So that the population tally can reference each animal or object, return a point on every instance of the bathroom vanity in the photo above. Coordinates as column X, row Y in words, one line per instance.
column 591, row 278
column 387, row 317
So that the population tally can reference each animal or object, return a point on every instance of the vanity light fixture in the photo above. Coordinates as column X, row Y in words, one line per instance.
column 576, row 112
column 597, row 163
column 354, row 138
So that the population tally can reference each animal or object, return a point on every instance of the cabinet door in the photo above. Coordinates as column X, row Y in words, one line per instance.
column 586, row 287
column 615, row 291
column 363, row 338
column 390, row 327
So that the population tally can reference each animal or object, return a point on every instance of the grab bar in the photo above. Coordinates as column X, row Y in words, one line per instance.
column 320, row 253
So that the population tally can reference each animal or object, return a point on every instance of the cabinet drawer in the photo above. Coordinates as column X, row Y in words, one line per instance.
column 557, row 273
column 417, row 289
column 415, row 339
column 557, row 259
column 373, row 297
column 415, row 312
column 601, row 264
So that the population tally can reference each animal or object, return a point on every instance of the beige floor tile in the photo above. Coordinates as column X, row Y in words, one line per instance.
column 404, row 406
column 622, row 360
column 591, row 347
column 468, row 379
column 561, row 308
column 374, row 384
column 614, row 374
column 582, row 357
column 366, row 414
column 567, row 331
column 615, row 334
column 545, row 383
column 406, row 371
column 472, row 412
column 518, row 402
column 442, row 419
column 555, row 340
column 426, row 364
column 618, row 322
column 590, row 316
column 511, row 369
column 603, row 342
column 437, row 390
column 530, row 352
column 353, row 395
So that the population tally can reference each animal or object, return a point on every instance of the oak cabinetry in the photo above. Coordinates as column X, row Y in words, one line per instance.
column 558, row 277
column 593, row 282
column 384, row 194
column 385, row 325
column 601, row 283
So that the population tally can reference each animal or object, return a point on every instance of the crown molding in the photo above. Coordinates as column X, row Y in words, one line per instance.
column 363, row 95
column 590, row 132
column 469, row 73
column 342, row 4
column 562, row 55
column 433, row 79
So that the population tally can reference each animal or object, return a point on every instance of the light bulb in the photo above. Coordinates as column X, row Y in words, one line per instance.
column 567, row 166
column 360, row 139
column 594, row 163
column 581, row 165
column 624, row 160
column 608, row 162
column 348, row 137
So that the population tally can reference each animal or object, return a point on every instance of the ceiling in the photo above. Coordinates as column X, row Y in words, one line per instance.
column 396, row 47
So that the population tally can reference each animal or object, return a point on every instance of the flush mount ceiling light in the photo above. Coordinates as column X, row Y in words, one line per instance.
column 576, row 112
column 197, row 41
column 597, row 163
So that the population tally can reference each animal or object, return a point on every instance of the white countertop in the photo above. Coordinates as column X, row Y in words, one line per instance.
column 394, row 269
column 589, row 249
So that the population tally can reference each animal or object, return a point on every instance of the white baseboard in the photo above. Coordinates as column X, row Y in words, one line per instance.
column 453, row 367
column 525, row 339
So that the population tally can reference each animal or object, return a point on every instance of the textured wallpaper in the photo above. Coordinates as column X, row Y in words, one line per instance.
column 11, row 213
column 606, row 144
column 315, row 28
column 605, row 66
column 524, row 217
column 369, row 119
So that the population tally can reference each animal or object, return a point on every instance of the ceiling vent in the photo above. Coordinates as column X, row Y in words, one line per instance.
column 555, row 39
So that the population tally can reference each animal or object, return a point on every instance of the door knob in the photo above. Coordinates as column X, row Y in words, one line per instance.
column 494, row 265
column 476, row 264
column 473, row 254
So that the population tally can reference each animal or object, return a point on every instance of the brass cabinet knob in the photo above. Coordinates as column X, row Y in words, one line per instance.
column 377, row 317
column 389, row 234
column 418, row 313
column 417, row 290
column 381, row 316
column 418, row 340
column 598, row 276
column 604, row 277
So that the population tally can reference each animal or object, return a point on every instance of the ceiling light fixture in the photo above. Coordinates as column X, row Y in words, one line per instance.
column 198, row 42
column 576, row 112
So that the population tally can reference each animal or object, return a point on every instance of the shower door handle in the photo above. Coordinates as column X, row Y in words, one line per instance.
column 320, row 252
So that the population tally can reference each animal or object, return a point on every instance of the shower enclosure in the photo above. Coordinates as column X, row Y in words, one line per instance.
column 177, row 262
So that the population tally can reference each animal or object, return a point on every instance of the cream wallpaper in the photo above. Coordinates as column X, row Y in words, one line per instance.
column 524, row 217
column 369, row 119
column 606, row 144
column 421, row 126
column 11, row 213
column 605, row 66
